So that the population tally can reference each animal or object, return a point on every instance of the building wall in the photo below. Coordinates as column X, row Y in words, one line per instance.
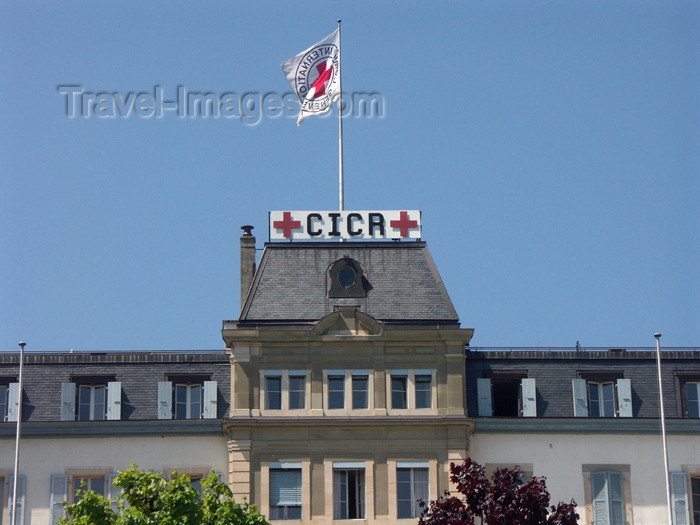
column 40, row 458
column 563, row 459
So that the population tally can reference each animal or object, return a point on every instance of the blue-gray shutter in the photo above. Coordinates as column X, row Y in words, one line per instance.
column 529, row 393
column 483, row 392
column 601, row 503
column 12, row 401
column 165, row 400
column 580, row 397
column 19, row 515
column 67, row 401
column 209, row 409
column 59, row 493
column 112, row 491
column 114, row 400
column 679, row 498
column 617, row 498
column 624, row 398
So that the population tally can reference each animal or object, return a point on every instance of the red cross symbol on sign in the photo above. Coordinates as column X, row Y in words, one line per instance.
column 287, row 224
column 324, row 75
column 403, row 224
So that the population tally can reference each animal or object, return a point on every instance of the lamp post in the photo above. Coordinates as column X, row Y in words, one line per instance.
column 663, row 429
column 19, row 427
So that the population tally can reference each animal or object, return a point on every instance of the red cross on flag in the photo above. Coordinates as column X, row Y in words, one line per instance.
column 315, row 76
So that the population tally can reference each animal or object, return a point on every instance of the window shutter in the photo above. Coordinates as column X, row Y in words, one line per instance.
column 114, row 400
column 483, row 392
column 209, row 409
column 617, row 498
column 12, row 402
column 580, row 398
column 285, row 487
column 624, row 398
column 165, row 400
column 19, row 514
column 112, row 491
column 67, row 401
column 601, row 506
column 59, row 488
column 679, row 498
column 529, row 390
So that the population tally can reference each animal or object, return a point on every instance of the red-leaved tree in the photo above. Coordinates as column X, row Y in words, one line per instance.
column 508, row 500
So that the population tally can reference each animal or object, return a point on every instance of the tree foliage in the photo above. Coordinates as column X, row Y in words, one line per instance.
column 508, row 500
column 147, row 498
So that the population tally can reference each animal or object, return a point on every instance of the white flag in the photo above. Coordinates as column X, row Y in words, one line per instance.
column 315, row 76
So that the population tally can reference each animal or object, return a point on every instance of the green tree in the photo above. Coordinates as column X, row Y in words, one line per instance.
column 147, row 498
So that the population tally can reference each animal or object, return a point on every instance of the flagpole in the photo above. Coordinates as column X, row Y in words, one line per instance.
column 18, row 433
column 340, row 125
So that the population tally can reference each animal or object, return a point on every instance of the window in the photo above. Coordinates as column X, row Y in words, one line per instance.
column 411, row 488
column 187, row 398
column 336, row 390
column 507, row 396
column 423, row 390
column 690, row 396
column 96, row 484
column 91, row 402
column 3, row 403
column 608, row 498
column 188, row 401
column 285, row 491
column 273, row 392
column 360, row 390
column 348, row 491
column 91, row 399
column 399, row 389
column 297, row 390
column 602, row 397
column 9, row 401
column 346, row 279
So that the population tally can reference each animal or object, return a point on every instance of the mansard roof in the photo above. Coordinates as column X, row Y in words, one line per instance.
column 401, row 284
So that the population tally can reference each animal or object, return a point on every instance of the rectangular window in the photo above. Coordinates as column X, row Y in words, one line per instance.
column 601, row 399
column 83, row 484
column 695, row 496
column 91, row 402
column 3, row 405
column 348, row 494
column 399, row 390
column 423, row 391
column 608, row 498
column 285, row 493
column 297, row 391
column 411, row 488
column 360, row 392
column 273, row 392
column 336, row 391
column 692, row 391
column 188, row 401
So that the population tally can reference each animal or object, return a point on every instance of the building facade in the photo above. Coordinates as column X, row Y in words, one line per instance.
column 345, row 389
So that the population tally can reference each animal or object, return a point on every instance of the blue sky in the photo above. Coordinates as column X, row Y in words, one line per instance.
column 553, row 148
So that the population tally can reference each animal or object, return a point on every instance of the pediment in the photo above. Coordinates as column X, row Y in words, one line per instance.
column 347, row 322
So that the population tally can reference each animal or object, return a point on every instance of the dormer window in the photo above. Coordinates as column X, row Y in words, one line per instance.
column 346, row 279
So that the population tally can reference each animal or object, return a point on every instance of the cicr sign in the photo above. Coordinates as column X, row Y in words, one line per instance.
column 334, row 225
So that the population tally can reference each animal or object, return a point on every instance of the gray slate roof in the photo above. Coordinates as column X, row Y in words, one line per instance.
column 291, row 283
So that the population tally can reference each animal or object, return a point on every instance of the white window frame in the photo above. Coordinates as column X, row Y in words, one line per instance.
column 190, row 386
column 92, row 403
column 410, row 376
column 284, row 376
column 361, row 501
column 430, row 466
column 692, row 385
column 305, row 466
column 348, row 408
column 622, row 397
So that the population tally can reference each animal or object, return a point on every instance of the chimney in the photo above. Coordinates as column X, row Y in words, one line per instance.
column 247, row 261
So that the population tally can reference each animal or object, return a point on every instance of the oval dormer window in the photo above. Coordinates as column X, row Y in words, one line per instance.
column 347, row 276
